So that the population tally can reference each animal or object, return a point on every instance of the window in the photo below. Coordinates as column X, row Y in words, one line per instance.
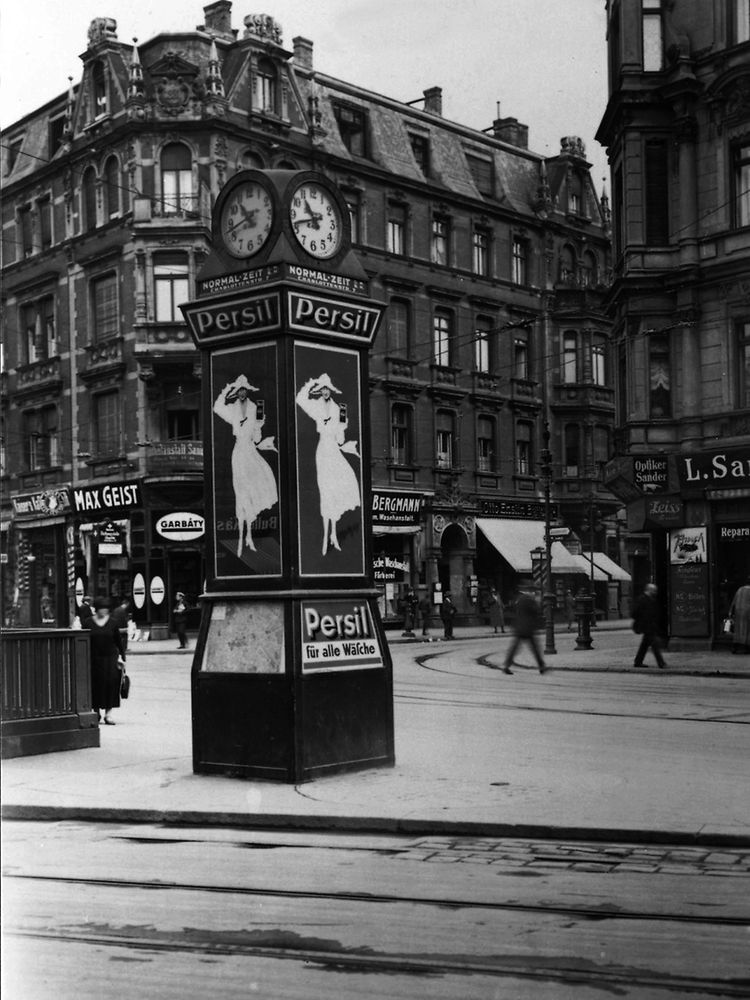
column 445, row 427
column 420, row 146
column 353, row 208
column 352, row 124
column 99, row 90
column 521, row 357
column 12, row 153
column 742, row 184
column 572, row 449
column 112, row 187
column 567, row 266
column 56, row 134
column 400, row 434
column 250, row 161
column 38, row 331
column 442, row 323
column 482, row 173
column 589, row 270
column 183, row 425
column 599, row 362
column 30, row 333
column 660, row 376
column 523, row 448
column 399, row 333
column 88, row 200
column 743, row 367
column 266, row 86
column 741, row 22
column 396, row 230
column 519, row 266
column 44, row 207
column 480, row 252
column 657, row 192
column 26, row 227
column 40, row 438
column 602, row 446
column 485, row 444
column 574, row 203
column 482, row 351
column 171, row 286
column 107, row 423
column 176, row 178
column 570, row 356
column 106, row 320
column 652, row 36
column 440, row 241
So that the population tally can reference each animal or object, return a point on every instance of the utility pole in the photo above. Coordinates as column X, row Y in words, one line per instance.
column 549, row 596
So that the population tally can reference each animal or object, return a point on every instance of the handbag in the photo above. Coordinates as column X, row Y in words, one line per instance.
column 727, row 626
column 124, row 684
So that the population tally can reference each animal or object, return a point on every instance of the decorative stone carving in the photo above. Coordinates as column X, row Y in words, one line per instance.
column 573, row 145
column 177, row 81
column 262, row 26
column 102, row 29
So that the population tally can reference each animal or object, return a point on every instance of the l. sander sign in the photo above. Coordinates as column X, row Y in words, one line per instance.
column 181, row 527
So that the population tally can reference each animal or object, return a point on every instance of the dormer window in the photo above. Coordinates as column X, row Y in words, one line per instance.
column 99, row 90
column 12, row 153
column 266, row 86
column 352, row 124
column 420, row 147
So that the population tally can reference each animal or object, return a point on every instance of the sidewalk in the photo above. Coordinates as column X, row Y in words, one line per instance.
column 477, row 753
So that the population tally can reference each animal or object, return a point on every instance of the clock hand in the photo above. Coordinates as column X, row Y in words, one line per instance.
column 313, row 220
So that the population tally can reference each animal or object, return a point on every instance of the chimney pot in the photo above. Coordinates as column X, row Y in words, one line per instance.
column 303, row 52
column 218, row 17
column 433, row 100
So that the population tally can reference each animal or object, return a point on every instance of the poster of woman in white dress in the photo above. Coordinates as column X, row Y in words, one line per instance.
column 245, row 462
column 329, row 462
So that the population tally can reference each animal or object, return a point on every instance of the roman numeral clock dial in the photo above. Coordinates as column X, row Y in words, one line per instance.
column 316, row 221
column 246, row 220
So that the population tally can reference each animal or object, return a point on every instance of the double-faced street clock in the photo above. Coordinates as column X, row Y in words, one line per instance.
column 246, row 217
column 316, row 219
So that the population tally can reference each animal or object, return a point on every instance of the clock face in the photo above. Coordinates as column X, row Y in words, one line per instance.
column 316, row 220
column 246, row 219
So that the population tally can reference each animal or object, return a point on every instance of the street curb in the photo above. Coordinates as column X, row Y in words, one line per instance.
column 372, row 825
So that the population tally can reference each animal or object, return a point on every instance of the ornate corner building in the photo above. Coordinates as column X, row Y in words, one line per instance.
column 677, row 129
column 494, row 263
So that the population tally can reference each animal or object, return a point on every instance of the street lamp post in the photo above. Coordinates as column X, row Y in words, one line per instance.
column 593, row 526
column 549, row 596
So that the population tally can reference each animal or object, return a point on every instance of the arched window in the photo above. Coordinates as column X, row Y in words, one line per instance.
column 176, row 179
column 286, row 165
column 589, row 268
column 112, row 187
column 99, row 90
column 567, row 266
column 88, row 199
column 266, row 86
column 250, row 161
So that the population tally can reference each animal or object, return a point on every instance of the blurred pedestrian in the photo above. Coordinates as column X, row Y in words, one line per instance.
column 527, row 623
column 411, row 607
column 107, row 661
column 570, row 608
column 120, row 616
column 180, row 619
column 447, row 614
column 739, row 612
column 646, row 616
column 425, row 610
column 85, row 612
column 496, row 610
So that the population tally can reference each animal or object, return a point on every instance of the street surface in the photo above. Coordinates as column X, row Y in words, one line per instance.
column 97, row 910
column 585, row 833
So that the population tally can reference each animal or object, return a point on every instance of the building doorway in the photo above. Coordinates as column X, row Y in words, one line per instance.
column 455, row 564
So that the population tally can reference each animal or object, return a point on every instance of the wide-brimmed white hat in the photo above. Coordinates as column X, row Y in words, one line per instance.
column 324, row 382
column 242, row 383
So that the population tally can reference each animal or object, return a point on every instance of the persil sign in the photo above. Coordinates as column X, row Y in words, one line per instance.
column 182, row 527
column 338, row 635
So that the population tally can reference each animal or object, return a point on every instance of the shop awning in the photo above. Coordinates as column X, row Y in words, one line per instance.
column 610, row 567
column 585, row 567
column 396, row 529
column 514, row 540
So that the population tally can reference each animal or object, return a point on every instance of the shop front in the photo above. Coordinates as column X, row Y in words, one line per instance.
column 398, row 538
column 40, row 557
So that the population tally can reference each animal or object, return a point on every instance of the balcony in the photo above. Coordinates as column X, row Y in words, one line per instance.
column 584, row 396
column 104, row 361
column 525, row 394
column 445, row 387
column 40, row 376
column 162, row 338
column 167, row 458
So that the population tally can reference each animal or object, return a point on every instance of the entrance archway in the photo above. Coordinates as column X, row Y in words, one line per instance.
column 455, row 564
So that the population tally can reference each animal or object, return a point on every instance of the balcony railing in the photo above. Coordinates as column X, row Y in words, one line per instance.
column 163, row 336
column 38, row 373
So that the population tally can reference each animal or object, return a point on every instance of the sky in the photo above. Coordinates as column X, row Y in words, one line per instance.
column 543, row 60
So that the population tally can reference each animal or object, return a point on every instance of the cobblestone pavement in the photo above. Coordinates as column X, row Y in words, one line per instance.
column 556, row 856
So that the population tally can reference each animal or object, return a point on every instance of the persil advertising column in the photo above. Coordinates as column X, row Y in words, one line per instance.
column 292, row 677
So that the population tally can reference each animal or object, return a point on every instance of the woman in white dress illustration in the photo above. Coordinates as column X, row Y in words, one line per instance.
column 252, row 477
column 337, row 481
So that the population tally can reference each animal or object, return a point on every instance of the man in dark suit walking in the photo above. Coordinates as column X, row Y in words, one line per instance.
column 527, row 624
column 646, row 624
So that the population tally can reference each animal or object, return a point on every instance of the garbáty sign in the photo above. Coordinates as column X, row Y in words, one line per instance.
column 338, row 635
column 709, row 469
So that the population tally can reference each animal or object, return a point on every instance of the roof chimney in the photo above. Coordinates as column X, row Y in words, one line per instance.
column 303, row 52
column 510, row 130
column 218, row 17
column 433, row 100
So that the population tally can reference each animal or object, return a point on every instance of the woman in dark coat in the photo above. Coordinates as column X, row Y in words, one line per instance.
column 107, row 653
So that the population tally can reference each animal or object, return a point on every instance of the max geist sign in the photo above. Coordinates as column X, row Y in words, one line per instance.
column 111, row 496
column 324, row 315
column 338, row 635
column 715, row 468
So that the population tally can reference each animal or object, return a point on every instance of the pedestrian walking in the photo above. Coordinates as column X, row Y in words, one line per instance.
column 646, row 624
column 425, row 610
column 447, row 613
column 107, row 661
column 570, row 609
column 527, row 623
column 120, row 616
column 411, row 607
column 180, row 619
column 739, row 612
column 496, row 610
column 85, row 612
